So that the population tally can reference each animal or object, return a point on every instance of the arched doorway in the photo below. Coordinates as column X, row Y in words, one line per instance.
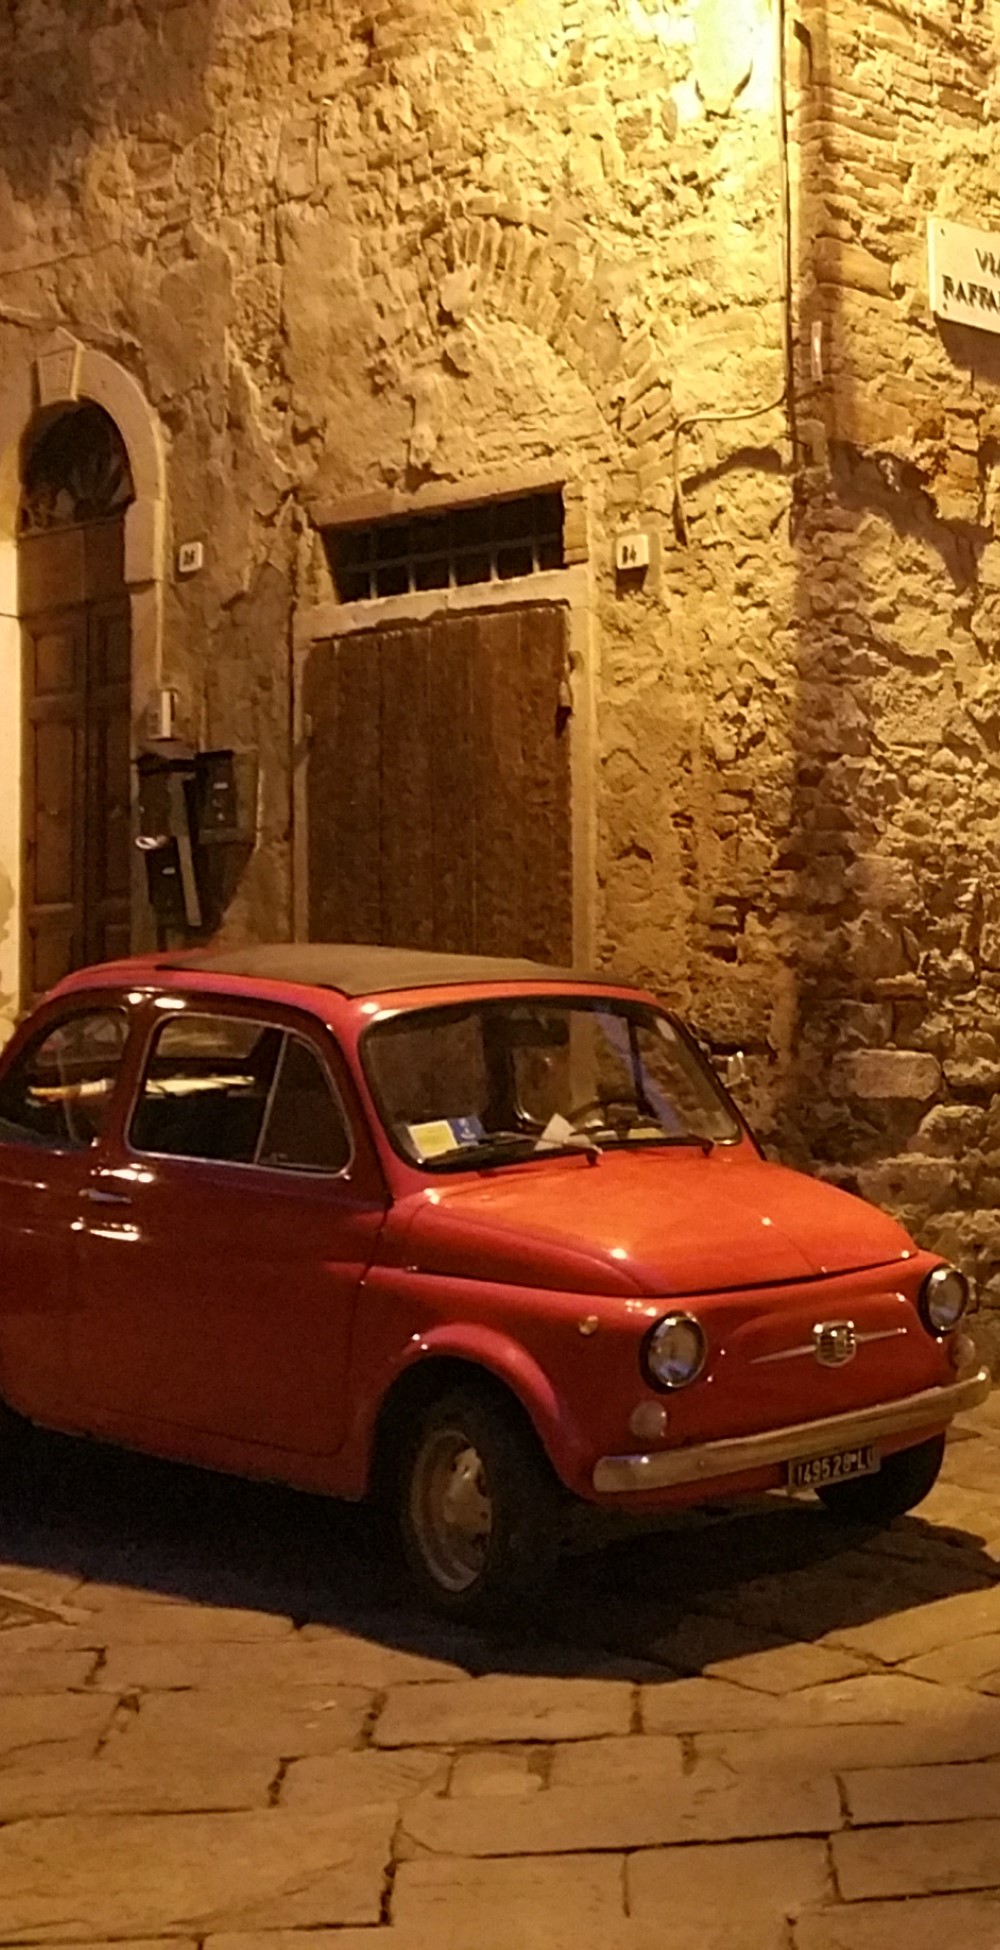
column 76, row 488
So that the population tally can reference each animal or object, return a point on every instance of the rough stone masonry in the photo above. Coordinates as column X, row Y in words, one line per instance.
column 352, row 249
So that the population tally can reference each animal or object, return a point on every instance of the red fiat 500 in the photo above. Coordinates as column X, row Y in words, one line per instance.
column 478, row 1236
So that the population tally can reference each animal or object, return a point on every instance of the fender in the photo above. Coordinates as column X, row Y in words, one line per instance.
column 496, row 1354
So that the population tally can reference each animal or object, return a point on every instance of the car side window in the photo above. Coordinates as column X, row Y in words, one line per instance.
column 305, row 1129
column 206, row 1088
column 58, row 1093
column 234, row 1091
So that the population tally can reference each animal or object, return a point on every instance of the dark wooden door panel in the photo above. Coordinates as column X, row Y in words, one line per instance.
column 55, row 693
column 77, row 752
column 438, row 786
column 108, row 785
column 51, row 571
column 341, row 704
column 408, row 754
column 454, row 815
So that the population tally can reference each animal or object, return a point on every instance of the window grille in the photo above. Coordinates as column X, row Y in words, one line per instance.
column 492, row 541
column 76, row 471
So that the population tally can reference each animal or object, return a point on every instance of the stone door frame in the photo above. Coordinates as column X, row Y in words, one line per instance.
column 63, row 373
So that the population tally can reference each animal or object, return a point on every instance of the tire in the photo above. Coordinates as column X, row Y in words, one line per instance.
column 903, row 1481
column 478, row 1508
column 13, row 1447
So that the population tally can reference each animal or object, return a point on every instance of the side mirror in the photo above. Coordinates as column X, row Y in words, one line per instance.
column 734, row 1070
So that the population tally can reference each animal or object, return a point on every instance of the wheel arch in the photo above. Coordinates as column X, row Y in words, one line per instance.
column 439, row 1373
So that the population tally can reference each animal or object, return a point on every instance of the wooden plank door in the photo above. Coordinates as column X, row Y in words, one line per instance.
column 438, row 787
column 55, row 692
column 108, row 782
column 77, row 753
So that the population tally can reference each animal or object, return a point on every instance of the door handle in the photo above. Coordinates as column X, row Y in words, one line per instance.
column 95, row 1197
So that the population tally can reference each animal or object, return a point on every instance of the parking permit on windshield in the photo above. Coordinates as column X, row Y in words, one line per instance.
column 443, row 1134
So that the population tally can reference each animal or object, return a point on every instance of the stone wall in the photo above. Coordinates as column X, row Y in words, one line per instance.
column 350, row 248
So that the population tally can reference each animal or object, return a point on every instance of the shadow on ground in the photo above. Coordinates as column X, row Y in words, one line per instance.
column 674, row 1595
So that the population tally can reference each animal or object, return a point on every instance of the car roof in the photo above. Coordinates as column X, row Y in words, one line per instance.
column 357, row 969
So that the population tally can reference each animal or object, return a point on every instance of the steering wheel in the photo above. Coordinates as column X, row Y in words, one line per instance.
column 599, row 1107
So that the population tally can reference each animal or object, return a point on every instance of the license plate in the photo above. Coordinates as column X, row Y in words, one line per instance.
column 815, row 1472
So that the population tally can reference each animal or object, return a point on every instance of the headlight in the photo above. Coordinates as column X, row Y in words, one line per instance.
column 944, row 1297
column 674, row 1351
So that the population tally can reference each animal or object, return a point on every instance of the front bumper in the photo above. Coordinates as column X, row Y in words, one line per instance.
column 704, row 1462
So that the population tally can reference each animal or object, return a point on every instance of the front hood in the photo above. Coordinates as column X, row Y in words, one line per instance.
column 652, row 1222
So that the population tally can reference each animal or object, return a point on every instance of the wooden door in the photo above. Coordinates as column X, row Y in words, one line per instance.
column 438, row 786
column 77, row 748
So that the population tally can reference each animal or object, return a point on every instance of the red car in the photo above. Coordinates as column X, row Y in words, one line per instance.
column 481, row 1237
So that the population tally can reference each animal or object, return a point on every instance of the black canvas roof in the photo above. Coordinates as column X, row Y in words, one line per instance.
column 356, row 969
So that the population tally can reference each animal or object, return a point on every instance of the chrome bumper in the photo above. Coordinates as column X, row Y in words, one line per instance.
column 704, row 1462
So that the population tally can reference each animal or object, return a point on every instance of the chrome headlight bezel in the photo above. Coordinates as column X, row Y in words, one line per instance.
column 665, row 1372
column 940, row 1314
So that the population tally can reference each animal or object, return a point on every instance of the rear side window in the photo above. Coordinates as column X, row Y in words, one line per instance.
column 238, row 1092
column 58, row 1094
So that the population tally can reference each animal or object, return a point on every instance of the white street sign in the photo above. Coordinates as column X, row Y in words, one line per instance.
column 964, row 268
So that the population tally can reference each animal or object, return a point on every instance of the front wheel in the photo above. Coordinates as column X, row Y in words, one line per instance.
column 478, row 1506
column 13, row 1444
column 903, row 1481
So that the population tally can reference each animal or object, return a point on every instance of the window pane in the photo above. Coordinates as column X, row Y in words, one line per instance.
column 461, row 545
column 59, row 1094
column 392, row 580
column 514, row 561
column 206, row 1087
column 473, row 568
column 392, row 540
column 306, row 1129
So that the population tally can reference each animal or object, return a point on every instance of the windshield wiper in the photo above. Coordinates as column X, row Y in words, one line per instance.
column 501, row 1147
column 575, row 1141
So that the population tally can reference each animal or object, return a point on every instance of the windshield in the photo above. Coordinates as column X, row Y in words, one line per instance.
column 500, row 1081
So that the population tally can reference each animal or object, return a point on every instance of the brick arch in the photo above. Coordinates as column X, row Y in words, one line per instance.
column 65, row 371
column 510, row 258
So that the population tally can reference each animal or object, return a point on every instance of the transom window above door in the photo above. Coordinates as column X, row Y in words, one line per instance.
column 241, row 1092
column 492, row 541
column 76, row 471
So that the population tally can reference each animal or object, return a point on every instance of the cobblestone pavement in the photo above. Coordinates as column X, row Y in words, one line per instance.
column 220, row 1721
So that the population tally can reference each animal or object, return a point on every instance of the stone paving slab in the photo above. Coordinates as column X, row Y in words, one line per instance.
column 77, row 1880
column 932, row 1923
column 33, row 1670
column 967, row 1664
column 283, row 1719
column 917, row 1861
column 115, row 1784
column 570, row 1902
column 499, row 1708
column 710, row 1804
column 52, row 1726
column 37, row 1585
column 731, row 1648
column 910, row 1634
column 502, row 1770
column 688, row 1707
column 973, row 1734
column 336, row 1784
column 152, row 1622
column 730, row 1884
column 148, row 1943
column 947, row 1793
column 658, row 1760
column 330, row 1661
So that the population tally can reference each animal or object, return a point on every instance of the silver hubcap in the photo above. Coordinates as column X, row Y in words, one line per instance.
column 451, row 1509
